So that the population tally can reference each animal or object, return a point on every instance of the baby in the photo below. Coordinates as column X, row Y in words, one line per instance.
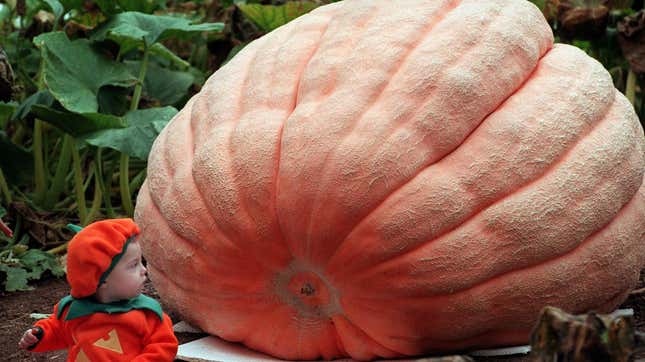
column 106, row 318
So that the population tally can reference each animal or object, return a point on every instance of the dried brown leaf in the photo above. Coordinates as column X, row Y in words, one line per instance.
column 582, row 19
column 577, row 338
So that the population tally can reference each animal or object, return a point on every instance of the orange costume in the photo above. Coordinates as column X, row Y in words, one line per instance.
column 135, row 329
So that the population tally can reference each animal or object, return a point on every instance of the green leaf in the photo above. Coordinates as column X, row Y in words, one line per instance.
column 16, row 162
column 163, row 84
column 57, row 8
column 114, row 100
column 29, row 265
column 135, row 140
column 6, row 112
column 269, row 17
column 41, row 97
column 38, row 261
column 16, row 278
column 77, row 124
column 133, row 29
column 198, row 75
column 74, row 72
column 40, row 105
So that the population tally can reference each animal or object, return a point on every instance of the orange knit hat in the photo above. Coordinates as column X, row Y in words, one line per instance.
column 91, row 252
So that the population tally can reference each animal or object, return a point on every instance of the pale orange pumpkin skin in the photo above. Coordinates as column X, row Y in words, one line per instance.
column 387, row 178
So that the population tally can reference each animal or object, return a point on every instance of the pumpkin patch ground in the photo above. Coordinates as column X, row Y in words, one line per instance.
column 16, row 308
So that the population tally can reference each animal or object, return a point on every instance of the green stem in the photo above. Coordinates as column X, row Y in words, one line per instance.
column 59, row 249
column 66, row 203
column 37, row 146
column 136, row 97
column 39, row 166
column 78, row 185
column 56, row 26
column 124, row 162
column 48, row 149
column 124, row 185
column 630, row 88
column 104, row 191
column 137, row 180
column 5, row 188
column 107, row 182
column 193, row 54
column 96, row 202
column 41, row 75
column 69, row 179
column 16, row 230
column 642, row 117
column 19, row 134
column 88, row 179
column 58, row 183
column 27, row 79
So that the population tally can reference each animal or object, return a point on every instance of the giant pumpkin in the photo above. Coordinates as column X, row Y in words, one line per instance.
column 386, row 178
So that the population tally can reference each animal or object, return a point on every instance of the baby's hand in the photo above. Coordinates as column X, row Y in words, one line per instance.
column 29, row 338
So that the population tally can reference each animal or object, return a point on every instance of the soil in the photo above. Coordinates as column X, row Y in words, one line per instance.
column 15, row 309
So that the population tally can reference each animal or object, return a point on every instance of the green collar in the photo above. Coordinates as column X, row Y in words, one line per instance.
column 86, row 306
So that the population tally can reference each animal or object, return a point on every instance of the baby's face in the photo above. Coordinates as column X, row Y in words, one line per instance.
column 127, row 278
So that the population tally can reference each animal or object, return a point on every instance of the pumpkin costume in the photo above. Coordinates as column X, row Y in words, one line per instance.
column 128, row 330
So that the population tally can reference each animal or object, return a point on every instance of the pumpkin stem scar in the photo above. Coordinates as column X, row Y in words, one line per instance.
column 307, row 291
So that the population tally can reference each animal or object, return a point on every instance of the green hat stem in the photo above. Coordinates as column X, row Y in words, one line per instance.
column 74, row 228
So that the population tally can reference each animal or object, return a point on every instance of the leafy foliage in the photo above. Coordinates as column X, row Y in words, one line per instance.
column 89, row 98
column 6, row 112
column 136, row 139
column 18, row 264
column 163, row 84
column 74, row 72
column 270, row 17
column 13, row 161
column 21, row 267
column 134, row 30
column 43, row 97
column 77, row 124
